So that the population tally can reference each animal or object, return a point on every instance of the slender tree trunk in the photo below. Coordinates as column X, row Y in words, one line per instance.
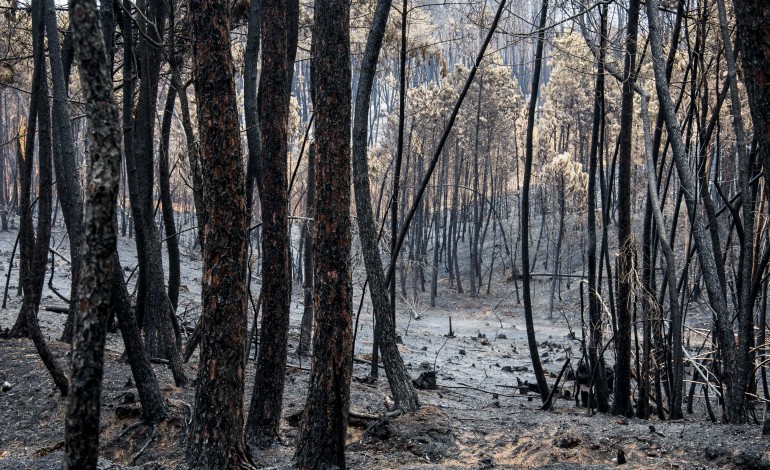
column 250, row 104
column 594, row 307
column 65, row 165
column 308, row 281
column 706, row 251
column 216, row 433
column 525, row 267
column 752, row 19
column 264, row 420
column 626, row 243
column 398, row 377
column 164, row 173
column 81, row 442
column 164, row 176
column 34, row 246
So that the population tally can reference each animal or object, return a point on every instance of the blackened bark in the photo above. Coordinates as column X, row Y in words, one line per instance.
column 65, row 165
column 250, row 108
column 154, row 310
column 676, row 363
column 395, row 248
column 216, row 433
column 626, row 243
column 34, row 247
column 81, row 443
column 154, row 409
column 306, row 329
column 164, row 177
column 704, row 244
column 525, row 265
column 193, row 155
column 400, row 383
column 594, row 307
column 752, row 18
column 267, row 400
column 323, row 431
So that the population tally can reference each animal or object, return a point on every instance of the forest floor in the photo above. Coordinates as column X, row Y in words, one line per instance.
column 474, row 419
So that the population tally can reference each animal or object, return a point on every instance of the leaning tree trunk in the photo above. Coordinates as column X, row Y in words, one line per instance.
column 400, row 383
column 264, row 419
column 525, row 266
column 323, row 431
column 216, row 434
column 81, row 442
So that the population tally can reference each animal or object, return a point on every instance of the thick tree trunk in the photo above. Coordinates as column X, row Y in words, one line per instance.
column 323, row 432
column 264, row 419
column 81, row 443
column 216, row 434
column 400, row 383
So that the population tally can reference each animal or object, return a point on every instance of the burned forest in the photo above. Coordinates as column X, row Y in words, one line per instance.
column 381, row 234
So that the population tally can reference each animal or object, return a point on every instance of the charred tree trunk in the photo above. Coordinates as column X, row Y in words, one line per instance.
column 626, row 244
column 594, row 306
column 34, row 246
column 65, row 165
column 264, row 419
column 323, row 432
column 164, row 176
column 704, row 244
column 154, row 310
column 81, row 443
column 216, row 434
column 752, row 18
column 525, row 266
column 308, row 281
column 398, row 377
column 250, row 105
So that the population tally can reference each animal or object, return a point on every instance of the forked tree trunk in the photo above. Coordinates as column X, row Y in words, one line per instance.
column 323, row 432
column 216, row 434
